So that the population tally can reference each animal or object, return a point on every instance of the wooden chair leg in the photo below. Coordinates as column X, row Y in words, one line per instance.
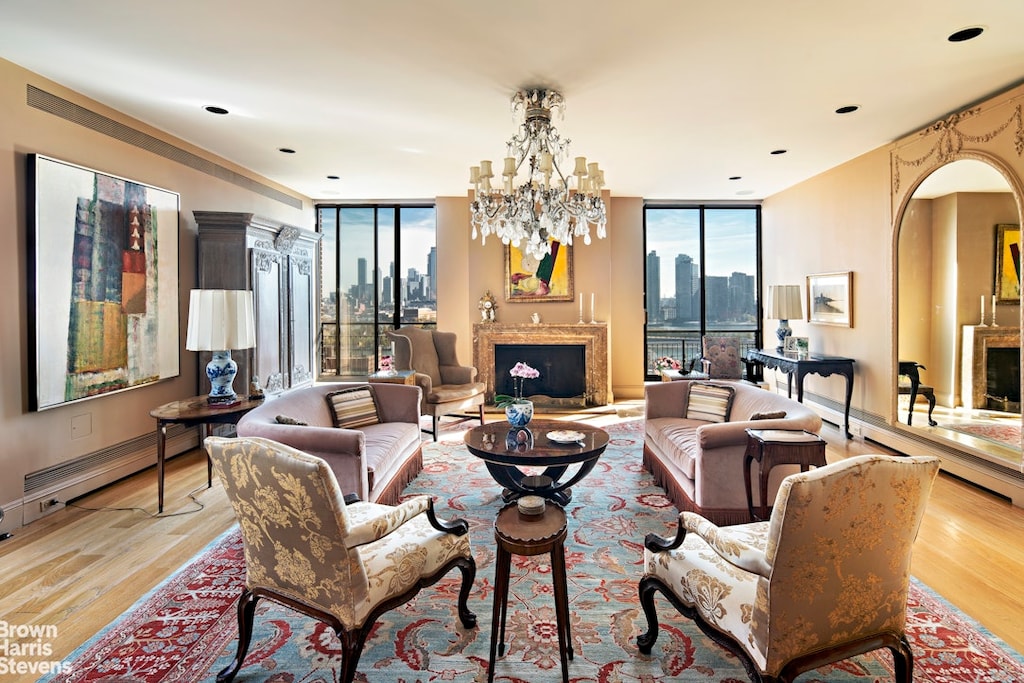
column 903, row 659
column 351, row 649
column 646, row 590
column 481, row 414
column 246, row 615
column 435, row 419
column 468, row 570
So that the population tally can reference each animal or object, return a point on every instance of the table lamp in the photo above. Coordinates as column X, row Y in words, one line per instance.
column 784, row 305
column 220, row 320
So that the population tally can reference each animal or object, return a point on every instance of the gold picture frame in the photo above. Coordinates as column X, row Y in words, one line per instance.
column 830, row 298
column 1008, row 264
column 529, row 280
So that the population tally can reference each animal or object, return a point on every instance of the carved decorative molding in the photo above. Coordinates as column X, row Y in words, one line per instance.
column 287, row 238
column 950, row 138
column 592, row 336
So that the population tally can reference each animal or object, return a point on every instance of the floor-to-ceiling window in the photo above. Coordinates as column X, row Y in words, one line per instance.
column 702, row 272
column 379, row 273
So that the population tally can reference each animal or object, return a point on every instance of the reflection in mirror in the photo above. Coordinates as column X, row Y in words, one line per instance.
column 961, row 338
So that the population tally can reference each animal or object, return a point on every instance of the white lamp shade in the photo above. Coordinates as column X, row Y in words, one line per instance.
column 220, row 320
column 784, row 302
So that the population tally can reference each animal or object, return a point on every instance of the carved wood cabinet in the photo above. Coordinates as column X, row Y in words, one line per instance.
column 278, row 263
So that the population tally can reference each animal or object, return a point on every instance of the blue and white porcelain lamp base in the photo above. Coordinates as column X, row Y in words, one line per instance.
column 221, row 371
column 784, row 331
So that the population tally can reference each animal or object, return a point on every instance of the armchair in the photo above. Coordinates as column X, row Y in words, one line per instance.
column 721, row 358
column 345, row 565
column 447, row 386
column 825, row 579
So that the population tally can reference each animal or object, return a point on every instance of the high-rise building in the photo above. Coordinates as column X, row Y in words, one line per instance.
column 684, row 289
column 653, row 288
column 432, row 274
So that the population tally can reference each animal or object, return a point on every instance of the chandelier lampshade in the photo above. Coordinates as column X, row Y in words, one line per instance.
column 537, row 201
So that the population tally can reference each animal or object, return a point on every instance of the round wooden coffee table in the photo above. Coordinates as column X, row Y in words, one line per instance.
column 506, row 449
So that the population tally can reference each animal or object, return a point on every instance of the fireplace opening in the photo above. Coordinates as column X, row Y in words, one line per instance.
column 562, row 367
column 1002, row 379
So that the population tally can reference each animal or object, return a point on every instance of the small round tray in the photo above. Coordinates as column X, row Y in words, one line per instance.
column 565, row 436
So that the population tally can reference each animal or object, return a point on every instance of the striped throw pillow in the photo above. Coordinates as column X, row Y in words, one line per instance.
column 709, row 402
column 353, row 408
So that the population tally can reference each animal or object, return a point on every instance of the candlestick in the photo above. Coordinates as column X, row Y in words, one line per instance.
column 593, row 315
column 994, row 324
column 581, row 308
column 982, row 323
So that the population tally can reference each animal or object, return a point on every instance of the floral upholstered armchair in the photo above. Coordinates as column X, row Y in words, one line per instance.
column 344, row 564
column 824, row 579
column 721, row 357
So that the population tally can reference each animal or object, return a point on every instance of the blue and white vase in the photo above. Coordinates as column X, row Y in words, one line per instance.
column 519, row 414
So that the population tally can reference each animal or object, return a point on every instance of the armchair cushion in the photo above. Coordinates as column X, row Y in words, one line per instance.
column 354, row 407
column 376, row 527
column 709, row 402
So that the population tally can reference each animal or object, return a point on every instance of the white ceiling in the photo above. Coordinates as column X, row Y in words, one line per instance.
column 400, row 97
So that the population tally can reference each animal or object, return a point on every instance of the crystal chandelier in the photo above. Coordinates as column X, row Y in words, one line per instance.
column 537, row 202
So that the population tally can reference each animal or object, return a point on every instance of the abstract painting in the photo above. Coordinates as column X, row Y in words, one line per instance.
column 529, row 280
column 1008, row 264
column 103, row 283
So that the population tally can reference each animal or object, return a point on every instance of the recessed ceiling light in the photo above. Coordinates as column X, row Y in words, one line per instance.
column 285, row 150
column 965, row 34
column 735, row 177
column 848, row 109
column 216, row 110
column 333, row 177
column 778, row 151
column 744, row 193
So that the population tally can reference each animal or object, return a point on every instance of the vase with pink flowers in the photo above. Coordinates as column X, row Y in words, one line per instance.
column 518, row 410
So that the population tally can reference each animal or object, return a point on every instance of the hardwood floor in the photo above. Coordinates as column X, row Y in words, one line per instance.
column 78, row 569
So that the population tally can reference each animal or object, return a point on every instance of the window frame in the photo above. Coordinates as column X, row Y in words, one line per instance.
column 652, row 349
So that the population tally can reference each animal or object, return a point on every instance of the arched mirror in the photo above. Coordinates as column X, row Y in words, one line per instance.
column 958, row 326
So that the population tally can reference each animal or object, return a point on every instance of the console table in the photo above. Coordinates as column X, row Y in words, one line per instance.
column 812, row 364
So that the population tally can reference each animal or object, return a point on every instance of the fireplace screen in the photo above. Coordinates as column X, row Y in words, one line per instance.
column 562, row 370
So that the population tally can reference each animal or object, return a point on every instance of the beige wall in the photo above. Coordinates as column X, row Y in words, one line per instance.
column 32, row 441
column 844, row 220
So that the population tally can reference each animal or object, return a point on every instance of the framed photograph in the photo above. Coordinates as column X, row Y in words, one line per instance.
column 532, row 280
column 796, row 345
column 830, row 298
column 103, row 283
column 1008, row 264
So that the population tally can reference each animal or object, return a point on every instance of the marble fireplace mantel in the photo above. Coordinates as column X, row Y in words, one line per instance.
column 592, row 336
column 977, row 340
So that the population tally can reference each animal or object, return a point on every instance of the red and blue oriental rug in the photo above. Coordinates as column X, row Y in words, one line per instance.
column 185, row 629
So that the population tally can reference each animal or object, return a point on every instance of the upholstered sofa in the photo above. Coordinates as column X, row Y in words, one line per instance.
column 374, row 461
column 700, row 462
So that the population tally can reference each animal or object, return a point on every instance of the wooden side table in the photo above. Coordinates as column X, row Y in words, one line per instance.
column 521, row 534
column 192, row 412
column 397, row 377
column 771, row 447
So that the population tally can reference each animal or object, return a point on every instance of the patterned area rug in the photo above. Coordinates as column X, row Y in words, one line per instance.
column 1005, row 433
column 185, row 629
